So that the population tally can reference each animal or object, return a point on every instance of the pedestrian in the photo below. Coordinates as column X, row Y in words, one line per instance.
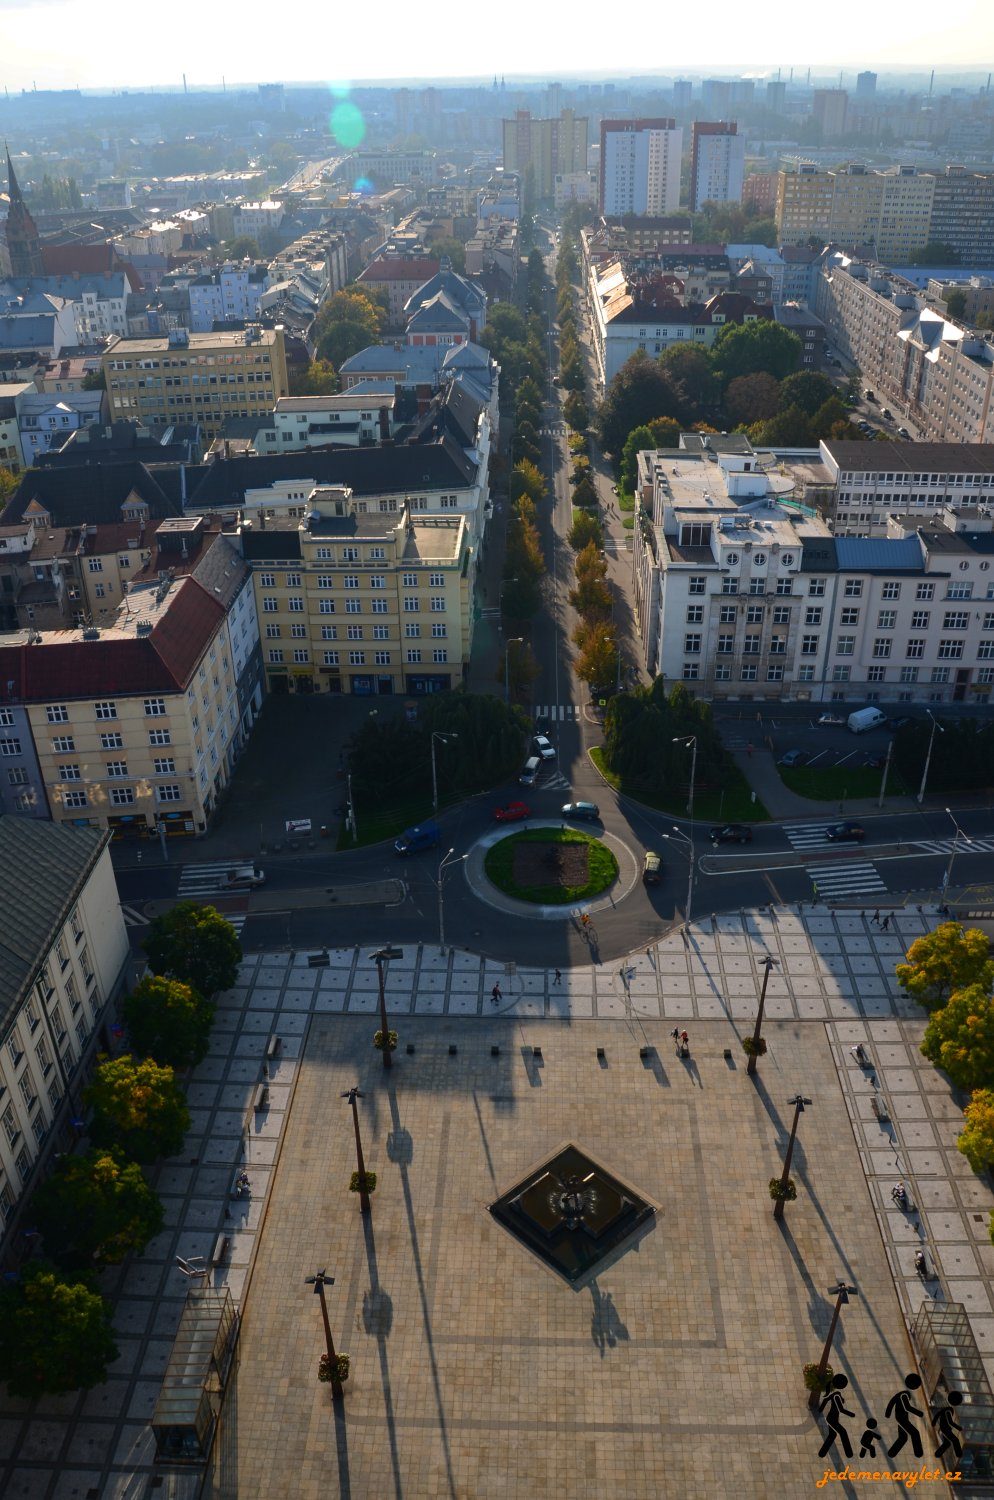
column 496, row 994
column 875, row 919
column 558, row 977
column 885, row 924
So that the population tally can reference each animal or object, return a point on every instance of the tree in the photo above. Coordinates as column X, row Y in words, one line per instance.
column 959, row 1038
column 169, row 1021
column 526, row 479
column 243, row 247
column 976, row 1140
column 316, row 379
column 937, row 253
column 689, row 368
column 194, row 944
column 94, row 380
column 597, row 659
column 956, row 308
column 521, row 667
column 807, row 389
column 453, row 248
column 641, row 391
column 639, row 439
column 788, row 429
column 746, row 348
column 55, row 1335
column 138, row 1107
column 576, row 411
column 8, row 484
column 96, row 1207
column 665, row 432
column 586, row 529
column 949, row 958
column 751, row 398
column 572, row 376
column 347, row 322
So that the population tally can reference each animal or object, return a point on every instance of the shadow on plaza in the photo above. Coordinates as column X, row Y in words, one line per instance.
column 377, row 1321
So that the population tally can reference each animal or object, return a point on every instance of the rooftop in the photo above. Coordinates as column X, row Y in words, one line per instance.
column 159, row 344
column 906, row 457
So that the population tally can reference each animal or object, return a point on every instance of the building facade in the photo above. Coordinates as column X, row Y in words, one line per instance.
column 544, row 149
column 640, row 167
column 230, row 294
column 717, row 163
column 63, row 964
column 196, row 377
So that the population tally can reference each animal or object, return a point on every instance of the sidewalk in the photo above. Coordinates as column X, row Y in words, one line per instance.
column 760, row 771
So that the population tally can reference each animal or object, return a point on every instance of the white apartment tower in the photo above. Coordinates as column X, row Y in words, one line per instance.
column 640, row 168
column 717, row 163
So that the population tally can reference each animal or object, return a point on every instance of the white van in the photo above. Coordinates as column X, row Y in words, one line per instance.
column 866, row 718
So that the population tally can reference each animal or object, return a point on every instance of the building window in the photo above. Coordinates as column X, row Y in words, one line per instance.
column 692, row 645
column 160, row 737
column 955, row 619
column 845, row 645
column 269, row 605
column 727, row 614
column 379, row 606
column 816, row 588
column 75, row 924
column 881, row 646
column 805, row 674
column 354, row 632
column 749, row 672
column 757, row 585
column 118, row 768
column 774, row 674
column 357, row 658
column 436, row 580
column 382, row 658
column 411, row 604
column 876, row 674
column 95, row 564
column 915, row 647
column 781, row 615
column 169, row 792
column 295, row 604
column 155, row 708
column 298, row 632
column 960, row 590
column 293, row 580
column 29, row 1094
column 63, row 744
column 165, row 766
column 849, row 617
column 326, row 606
column 841, row 674
column 778, row 645
column 69, row 771
column 785, row 585
column 729, row 585
column 940, row 674
column 886, row 619
column 853, row 588
column 10, row 747
column 949, row 650
column 750, row 645
column 105, row 710
column 697, row 584
column 413, row 655
column 691, row 671
column 909, row 674
column 920, row 619
column 925, row 591
column 410, row 580
column 73, row 799
column 272, row 632
column 329, row 632
column 331, row 658
column 267, row 580
column 440, row 654
column 353, row 606
column 57, row 713
column 10, row 1129
column 412, row 630
column 275, row 656
column 122, row 796
column 301, row 655
column 809, row 645
column 891, row 591
column 351, row 580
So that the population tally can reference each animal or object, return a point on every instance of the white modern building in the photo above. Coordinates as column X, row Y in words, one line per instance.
column 257, row 219
column 640, row 167
column 717, row 163
column 874, row 481
column 63, row 957
column 232, row 293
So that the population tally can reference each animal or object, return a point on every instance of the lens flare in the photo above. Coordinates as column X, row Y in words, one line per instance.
column 347, row 125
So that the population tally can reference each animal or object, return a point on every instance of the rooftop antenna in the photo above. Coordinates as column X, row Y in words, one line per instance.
column 184, row 83
column 931, row 83
column 809, row 77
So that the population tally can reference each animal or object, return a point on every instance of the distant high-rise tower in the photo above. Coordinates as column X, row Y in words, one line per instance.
column 23, row 240
column 776, row 95
column 640, row 168
column 828, row 108
column 717, row 160
column 683, row 91
column 866, row 85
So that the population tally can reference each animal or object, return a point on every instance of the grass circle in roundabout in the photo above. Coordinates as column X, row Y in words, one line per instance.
column 551, row 866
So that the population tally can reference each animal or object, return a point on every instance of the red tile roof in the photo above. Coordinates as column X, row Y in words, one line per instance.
column 399, row 268
column 57, row 670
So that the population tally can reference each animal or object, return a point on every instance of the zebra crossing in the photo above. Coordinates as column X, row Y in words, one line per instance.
column 845, row 878
column 557, row 713
column 962, row 845
column 132, row 916
column 807, row 835
column 205, row 879
column 237, row 920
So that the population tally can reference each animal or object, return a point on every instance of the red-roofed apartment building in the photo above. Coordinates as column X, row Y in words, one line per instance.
column 400, row 276
column 133, row 722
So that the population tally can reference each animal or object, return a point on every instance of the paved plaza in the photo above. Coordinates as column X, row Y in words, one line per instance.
column 476, row 1371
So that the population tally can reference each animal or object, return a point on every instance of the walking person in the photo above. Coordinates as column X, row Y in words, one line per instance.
column 833, row 1407
column 869, row 1438
column 899, row 1406
column 885, row 924
column 558, row 977
column 496, row 994
column 946, row 1425
column 875, row 919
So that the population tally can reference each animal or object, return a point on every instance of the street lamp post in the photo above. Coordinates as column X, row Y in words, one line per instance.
column 769, row 963
column 798, row 1102
column 515, row 640
column 691, row 740
column 841, row 1291
column 353, row 1095
column 690, row 872
column 382, row 956
column 947, row 877
column 450, row 859
column 445, row 738
column 928, row 757
column 319, row 1281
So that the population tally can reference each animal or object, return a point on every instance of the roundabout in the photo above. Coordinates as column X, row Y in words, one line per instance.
column 511, row 874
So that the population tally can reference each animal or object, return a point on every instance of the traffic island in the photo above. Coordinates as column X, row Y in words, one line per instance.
column 551, row 866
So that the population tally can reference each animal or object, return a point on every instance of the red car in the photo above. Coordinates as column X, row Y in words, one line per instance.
column 512, row 813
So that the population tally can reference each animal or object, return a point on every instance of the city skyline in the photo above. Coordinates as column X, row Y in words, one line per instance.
column 29, row 60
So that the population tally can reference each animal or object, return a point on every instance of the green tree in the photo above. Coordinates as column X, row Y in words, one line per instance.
column 665, row 432
column 576, row 412
column 751, row 398
column 519, row 668
column 55, row 1335
column 976, row 1140
column 8, row 484
column 639, row 732
column 96, row 1208
column 956, row 304
column 746, row 348
column 641, row 391
column 529, row 394
column 94, row 380
column 937, row 253
column 169, row 1021
column 586, row 529
column 689, row 367
column 584, row 494
column 950, row 957
column 526, row 479
column 194, row 944
column 572, row 376
column 637, row 441
column 959, row 1038
column 453, row 248
column 316, row 379
column 807, row 389
column 347, row 322
column 597, row 652
column 243, row 247
column 791, row 428
column 138, row 1107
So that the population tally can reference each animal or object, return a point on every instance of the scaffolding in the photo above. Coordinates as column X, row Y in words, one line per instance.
column 949, row 1360
column 186, row 1411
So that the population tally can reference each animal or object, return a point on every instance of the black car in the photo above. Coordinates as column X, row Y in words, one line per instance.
column 793, row 758
column 840, row 833
column 731, row 833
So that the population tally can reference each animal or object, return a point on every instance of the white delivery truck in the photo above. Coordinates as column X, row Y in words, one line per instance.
column 866, row 718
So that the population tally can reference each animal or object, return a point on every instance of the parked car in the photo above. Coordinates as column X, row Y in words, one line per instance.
column 869, row 395
column 413, row 840
column 793, row 758
column 543, row 747
column 652, row 868
column 731, row 833
column 886, row 412
column 841, row 833
column 586, row 810
column 541, row 723
column 512, row 813
column 529, row 771
column 831, row 719
column 903, row 432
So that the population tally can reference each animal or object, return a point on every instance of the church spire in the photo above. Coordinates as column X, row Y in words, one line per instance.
column 13, row 188
column 23, row 240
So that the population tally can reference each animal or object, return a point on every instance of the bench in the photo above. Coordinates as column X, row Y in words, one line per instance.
column 274, row 1047
column 261, row 1100
column 318, row 960
column 880, row 1108
column 221, row 1247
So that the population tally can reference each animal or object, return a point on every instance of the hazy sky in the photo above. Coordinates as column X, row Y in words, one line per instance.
column 63, row 43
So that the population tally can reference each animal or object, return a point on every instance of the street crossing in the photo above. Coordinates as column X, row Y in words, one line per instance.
column 237, row 920
column 807, row 835
column 132, row 916
column 206, row 879
column 844, row 878
column 557, row 712
column 962, row 845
